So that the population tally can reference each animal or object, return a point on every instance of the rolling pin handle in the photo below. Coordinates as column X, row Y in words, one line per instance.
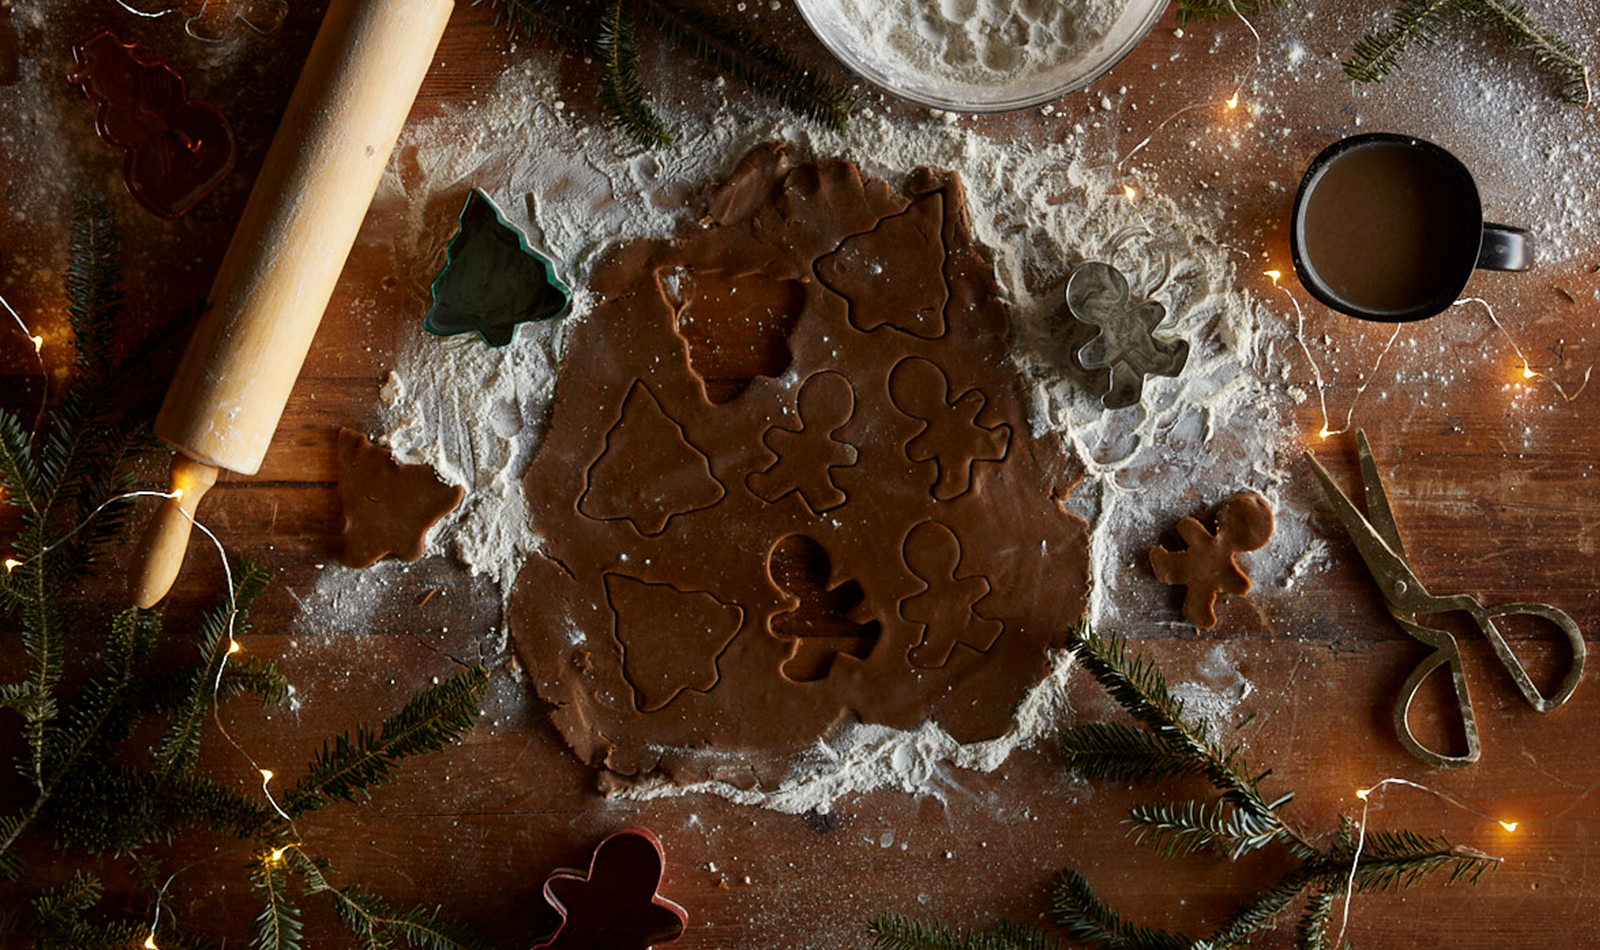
column 166, row 539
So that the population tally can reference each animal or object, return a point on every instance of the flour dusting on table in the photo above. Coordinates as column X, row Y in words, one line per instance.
column 476, row 413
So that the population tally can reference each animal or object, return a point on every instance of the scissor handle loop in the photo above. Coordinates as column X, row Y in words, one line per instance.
column 1485, row 617
column 1445, row 651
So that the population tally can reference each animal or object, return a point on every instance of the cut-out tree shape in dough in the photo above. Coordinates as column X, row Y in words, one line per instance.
column 951, row 436
column 933, row 553
column 821, row 614
column 886, row 288
column 649, row 472
column 659, row 667
column 807, row 456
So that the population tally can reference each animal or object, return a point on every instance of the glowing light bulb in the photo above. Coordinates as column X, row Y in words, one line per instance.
column 1323, row 435
column 277, row 854
column 1526, row 372
column 150, row 943
column 177, row 493
column 38, row 343
column 1509, row 825
column 1129, row 192
column 1233, row 101
column 1273, row 274
column 266, row 776
column 1362, row 793
column 234, row 647
column 12, row 564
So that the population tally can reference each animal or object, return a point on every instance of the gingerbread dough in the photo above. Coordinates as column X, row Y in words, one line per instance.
column 388, row 507
column 1206, row 567
column 789, row 484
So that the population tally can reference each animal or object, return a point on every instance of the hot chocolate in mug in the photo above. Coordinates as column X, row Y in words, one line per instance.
column 1390, row 227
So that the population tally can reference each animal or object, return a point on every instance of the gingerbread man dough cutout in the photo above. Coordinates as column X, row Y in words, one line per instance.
column 1207, row 566
column 807, row 456
column 951, row 437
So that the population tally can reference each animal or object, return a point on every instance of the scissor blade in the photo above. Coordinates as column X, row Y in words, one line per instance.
column 1379, row 515
column 1389, row 569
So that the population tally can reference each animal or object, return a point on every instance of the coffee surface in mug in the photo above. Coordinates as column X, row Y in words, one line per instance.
column 1385, row 222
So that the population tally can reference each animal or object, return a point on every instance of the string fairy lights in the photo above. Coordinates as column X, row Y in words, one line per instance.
column 1231, row 103
column 234, row 647
column 1508, row 825
column 1525, row 366
column 1316, row 368
column 38, row 354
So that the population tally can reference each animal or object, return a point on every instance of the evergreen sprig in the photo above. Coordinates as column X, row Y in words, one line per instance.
column 604, row 32
column 1212, row 9
column 1421, row 22
column 349, row 767
column 85, row 707
column 895, row 932
column 1161, row 745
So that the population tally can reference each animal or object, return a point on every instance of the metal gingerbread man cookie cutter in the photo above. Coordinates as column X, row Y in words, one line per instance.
column 1097, row 294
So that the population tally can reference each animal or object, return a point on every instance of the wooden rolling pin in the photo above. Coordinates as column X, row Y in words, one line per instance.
column 353, row 96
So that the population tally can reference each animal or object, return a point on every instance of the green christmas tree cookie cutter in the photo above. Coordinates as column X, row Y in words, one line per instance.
column 492, row 281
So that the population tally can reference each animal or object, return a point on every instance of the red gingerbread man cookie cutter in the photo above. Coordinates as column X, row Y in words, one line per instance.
column 615, row 905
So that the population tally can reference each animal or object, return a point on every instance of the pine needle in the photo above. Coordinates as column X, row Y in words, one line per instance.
column 349, row 767
column 1377, row 55
column 621, row 94
column 896, row 932
column 1550, row 53
column 1077, row 908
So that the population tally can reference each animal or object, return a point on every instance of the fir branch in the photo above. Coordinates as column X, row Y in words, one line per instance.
column 370, row 919
column 1397, row 859
column 525, row 19
column 177, row 749
column 1077, row 908
column 1175, row 829
column 1376, row 55
column 1262, row 912
column 621, row 94
column 896, row 932
column 1549, row 52
column 764, row 67
column 19, row 476
column 1139, row 688
column 348, row 767
column 1211, row 9
column 278, row 924
column 1122, row 753
column 11, row 828
column 1311, row 933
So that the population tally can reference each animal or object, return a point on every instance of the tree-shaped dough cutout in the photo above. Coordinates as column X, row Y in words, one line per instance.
column 649, row 472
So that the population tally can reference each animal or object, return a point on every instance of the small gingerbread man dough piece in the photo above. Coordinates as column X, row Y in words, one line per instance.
column 1206, row 567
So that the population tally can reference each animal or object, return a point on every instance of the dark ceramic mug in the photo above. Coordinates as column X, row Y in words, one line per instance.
column 1390, row 227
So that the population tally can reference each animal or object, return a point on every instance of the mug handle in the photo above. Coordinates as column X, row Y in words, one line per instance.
column 1505, row 248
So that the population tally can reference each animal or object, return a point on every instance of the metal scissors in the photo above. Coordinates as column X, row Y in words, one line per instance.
column 1378, row 541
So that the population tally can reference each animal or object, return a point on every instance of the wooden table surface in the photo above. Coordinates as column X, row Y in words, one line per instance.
column 1491, row 476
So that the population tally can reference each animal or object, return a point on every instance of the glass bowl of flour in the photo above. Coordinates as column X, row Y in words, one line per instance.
column 981, row 55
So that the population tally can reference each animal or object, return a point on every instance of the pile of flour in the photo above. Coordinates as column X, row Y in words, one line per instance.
column 476, row 413
column 979, row 42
